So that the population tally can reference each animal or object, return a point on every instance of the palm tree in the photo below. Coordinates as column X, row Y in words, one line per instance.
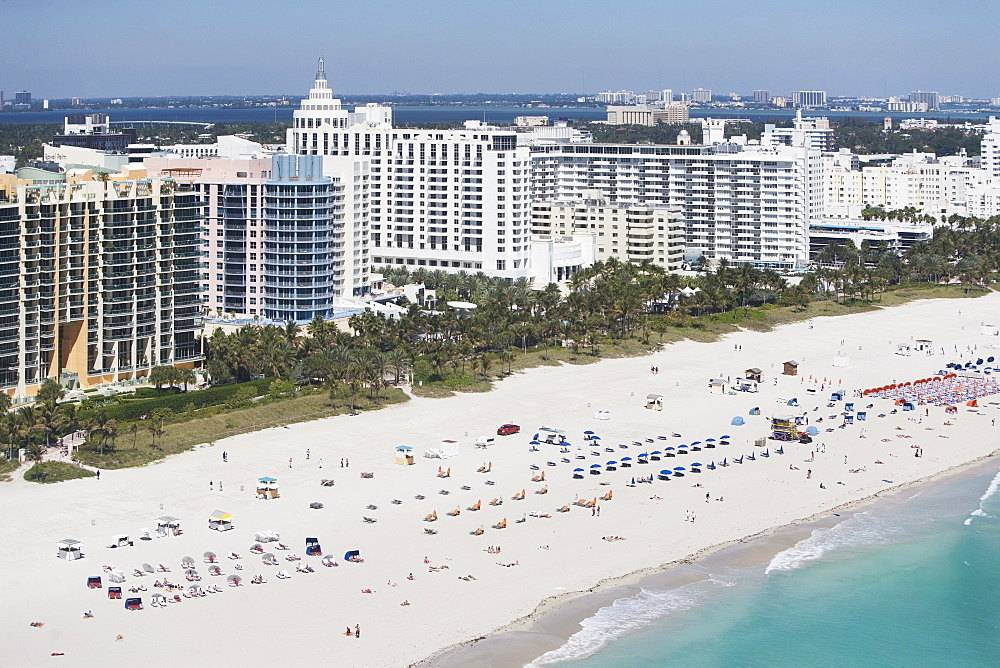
column 485, row 363
column 35, row 453
column 133, row 430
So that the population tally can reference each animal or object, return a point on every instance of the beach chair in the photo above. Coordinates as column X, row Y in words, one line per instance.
column 114, row 592
column 368, row 520
column 496, row 502
column 176, row 599
column 752, row 457
column 542, row 490
column 431, row 517
column 536, row 478
column 592, row 503
column 564, row 509
column 455, row 513
column 502, row 524
column 477, row 505
column 481, row 469
column 607, row 497
column 430, row 532
column 478, row 532
column 94, row 582
column 738, row 461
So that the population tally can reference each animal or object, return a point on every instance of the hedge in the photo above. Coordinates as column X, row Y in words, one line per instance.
column 131, row 410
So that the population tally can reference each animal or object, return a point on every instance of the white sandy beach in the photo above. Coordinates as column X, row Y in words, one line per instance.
column 305, row 617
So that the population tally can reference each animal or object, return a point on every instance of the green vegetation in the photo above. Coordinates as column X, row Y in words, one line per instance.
column 49, row 472
column 7, row 466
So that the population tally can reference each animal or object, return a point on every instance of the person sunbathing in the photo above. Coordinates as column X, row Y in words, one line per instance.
column 367, row 591
column 38, row 625
column 405, row 603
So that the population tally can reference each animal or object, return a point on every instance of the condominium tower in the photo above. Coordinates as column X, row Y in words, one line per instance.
column 99, row 279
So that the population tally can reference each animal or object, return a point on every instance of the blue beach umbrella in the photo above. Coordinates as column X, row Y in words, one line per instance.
column 666, row 472
column 680, row 468
column 656, row 452
column 626, row 459
column 595, row 438
column 710, row 440
column 611, row 463
column 534, row 443
column 670, row 447
column 578, row 470
column 267, row 480
column 724, row 436
column 588, row 432
column 595, row 466
column 695, row 463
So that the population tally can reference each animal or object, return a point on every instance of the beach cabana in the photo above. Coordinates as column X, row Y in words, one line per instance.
column 220, row 520
column 312, row 547
column 267, row 488
column 790, row 368
column 121, row 540
column 736, row 421
column 94, row 582
column 353, row 555
column 133, row 603
column 69, row 549
column 654, row 401
column 753, row 373
column 168, row 526
column 403, row 455
column 923, row 345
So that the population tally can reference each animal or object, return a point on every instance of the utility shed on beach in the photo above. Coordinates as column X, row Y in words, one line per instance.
column 791, row 368
column 717, row 385
column 753, row 373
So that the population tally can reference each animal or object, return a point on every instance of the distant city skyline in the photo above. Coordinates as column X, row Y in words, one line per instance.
column 448, row 46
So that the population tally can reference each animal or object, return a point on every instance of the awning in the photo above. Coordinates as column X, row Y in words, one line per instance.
column 220, row 516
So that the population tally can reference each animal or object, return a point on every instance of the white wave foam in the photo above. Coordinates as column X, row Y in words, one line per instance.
column 862, row 529
column 624, row 616
column 981, row 510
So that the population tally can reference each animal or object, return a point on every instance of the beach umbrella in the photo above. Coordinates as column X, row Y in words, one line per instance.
column 633, row 481
column 694, row 443
column 656, row 452
column 666, row 472
column 611, row 463
column 595, row 438
column 578, row 470
column 595, row 466
column 670, row 447
column 695, row 464
column 267, row 480
column 534, row 443
column 626, row 459
column 588, row 432
column 643, row 455
column 725, row 436
column 680, row 468
column 710, row 440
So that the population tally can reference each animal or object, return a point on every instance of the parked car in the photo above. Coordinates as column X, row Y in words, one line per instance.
column 508, row 429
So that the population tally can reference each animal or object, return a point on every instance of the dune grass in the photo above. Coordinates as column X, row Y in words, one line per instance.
column 7, row 466
column 50, row 472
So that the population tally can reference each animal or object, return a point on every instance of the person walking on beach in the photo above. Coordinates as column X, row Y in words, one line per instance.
column 809, row 474
column 341, row 462
column 321, row 462
column 357, row 630
column 347, row 462
column 593, row 512
column 225, row 457
column 220, row 485
column 692, row 518
column 307, row 454
column 98, row 474
column 210, row 486
column 598, row 511
column 707, row 497
column 289, row 462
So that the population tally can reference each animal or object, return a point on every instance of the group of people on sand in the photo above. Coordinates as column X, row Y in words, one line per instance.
column 492, row 549
column 654, row 369
column 611, row 539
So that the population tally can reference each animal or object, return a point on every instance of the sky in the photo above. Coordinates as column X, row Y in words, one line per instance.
column 111, row 48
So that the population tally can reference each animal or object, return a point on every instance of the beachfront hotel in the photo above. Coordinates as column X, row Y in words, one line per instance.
column 99, row 280
column 442, row 199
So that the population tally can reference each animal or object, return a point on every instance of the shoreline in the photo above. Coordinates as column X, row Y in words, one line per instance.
column 551, row 620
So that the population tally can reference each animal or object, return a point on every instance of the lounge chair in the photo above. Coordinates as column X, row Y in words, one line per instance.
column 607, row 497
column 496, row 502
column 431, row 517
column 542, row 490
column 455, row 513
column 283, row 574
column 430, row 531
column 477, row 505
column 478, row 532
column 502, row 524
column 564, row 509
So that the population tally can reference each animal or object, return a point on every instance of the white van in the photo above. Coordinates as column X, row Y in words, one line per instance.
column 485, row 441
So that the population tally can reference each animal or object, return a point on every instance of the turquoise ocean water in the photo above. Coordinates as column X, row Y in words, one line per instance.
column 914, row 582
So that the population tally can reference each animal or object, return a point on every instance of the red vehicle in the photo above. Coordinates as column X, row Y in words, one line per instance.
column 508, row 429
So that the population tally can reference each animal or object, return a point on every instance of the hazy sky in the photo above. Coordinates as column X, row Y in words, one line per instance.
column 60, row 48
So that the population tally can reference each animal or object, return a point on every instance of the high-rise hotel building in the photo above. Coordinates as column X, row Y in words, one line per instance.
column 443, row 199
column 99, row 280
